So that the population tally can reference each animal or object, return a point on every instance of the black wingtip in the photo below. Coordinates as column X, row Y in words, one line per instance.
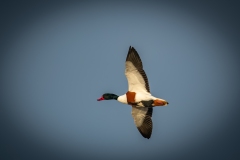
column 145, row 135
column 132, row 54
column 130, row 48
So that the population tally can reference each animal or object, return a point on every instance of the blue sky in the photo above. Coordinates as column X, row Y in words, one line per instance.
column 62, row 61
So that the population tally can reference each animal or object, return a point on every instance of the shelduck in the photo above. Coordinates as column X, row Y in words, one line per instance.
column 138, row 94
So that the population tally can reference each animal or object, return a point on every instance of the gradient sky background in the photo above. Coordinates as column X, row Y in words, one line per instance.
column 57, row 58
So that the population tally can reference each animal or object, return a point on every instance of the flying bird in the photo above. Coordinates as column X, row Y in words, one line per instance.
column 138, row 94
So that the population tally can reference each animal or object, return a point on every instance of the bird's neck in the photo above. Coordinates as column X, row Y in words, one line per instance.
column 113, row 96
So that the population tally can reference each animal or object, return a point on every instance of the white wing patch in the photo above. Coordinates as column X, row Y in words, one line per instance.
column 136, row 82
column 138, row 115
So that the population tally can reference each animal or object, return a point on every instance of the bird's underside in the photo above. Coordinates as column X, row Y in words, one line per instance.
column 147, row 104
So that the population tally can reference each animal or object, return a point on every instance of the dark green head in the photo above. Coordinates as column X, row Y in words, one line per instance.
column 108, row 96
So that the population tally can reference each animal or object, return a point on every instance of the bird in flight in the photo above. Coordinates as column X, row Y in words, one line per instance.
column 138, row 94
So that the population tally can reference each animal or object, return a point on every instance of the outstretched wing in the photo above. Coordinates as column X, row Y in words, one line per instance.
column 143, row 120
column 136, row 76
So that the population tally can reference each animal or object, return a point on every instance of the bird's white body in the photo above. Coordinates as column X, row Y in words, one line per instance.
column 142, row 96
